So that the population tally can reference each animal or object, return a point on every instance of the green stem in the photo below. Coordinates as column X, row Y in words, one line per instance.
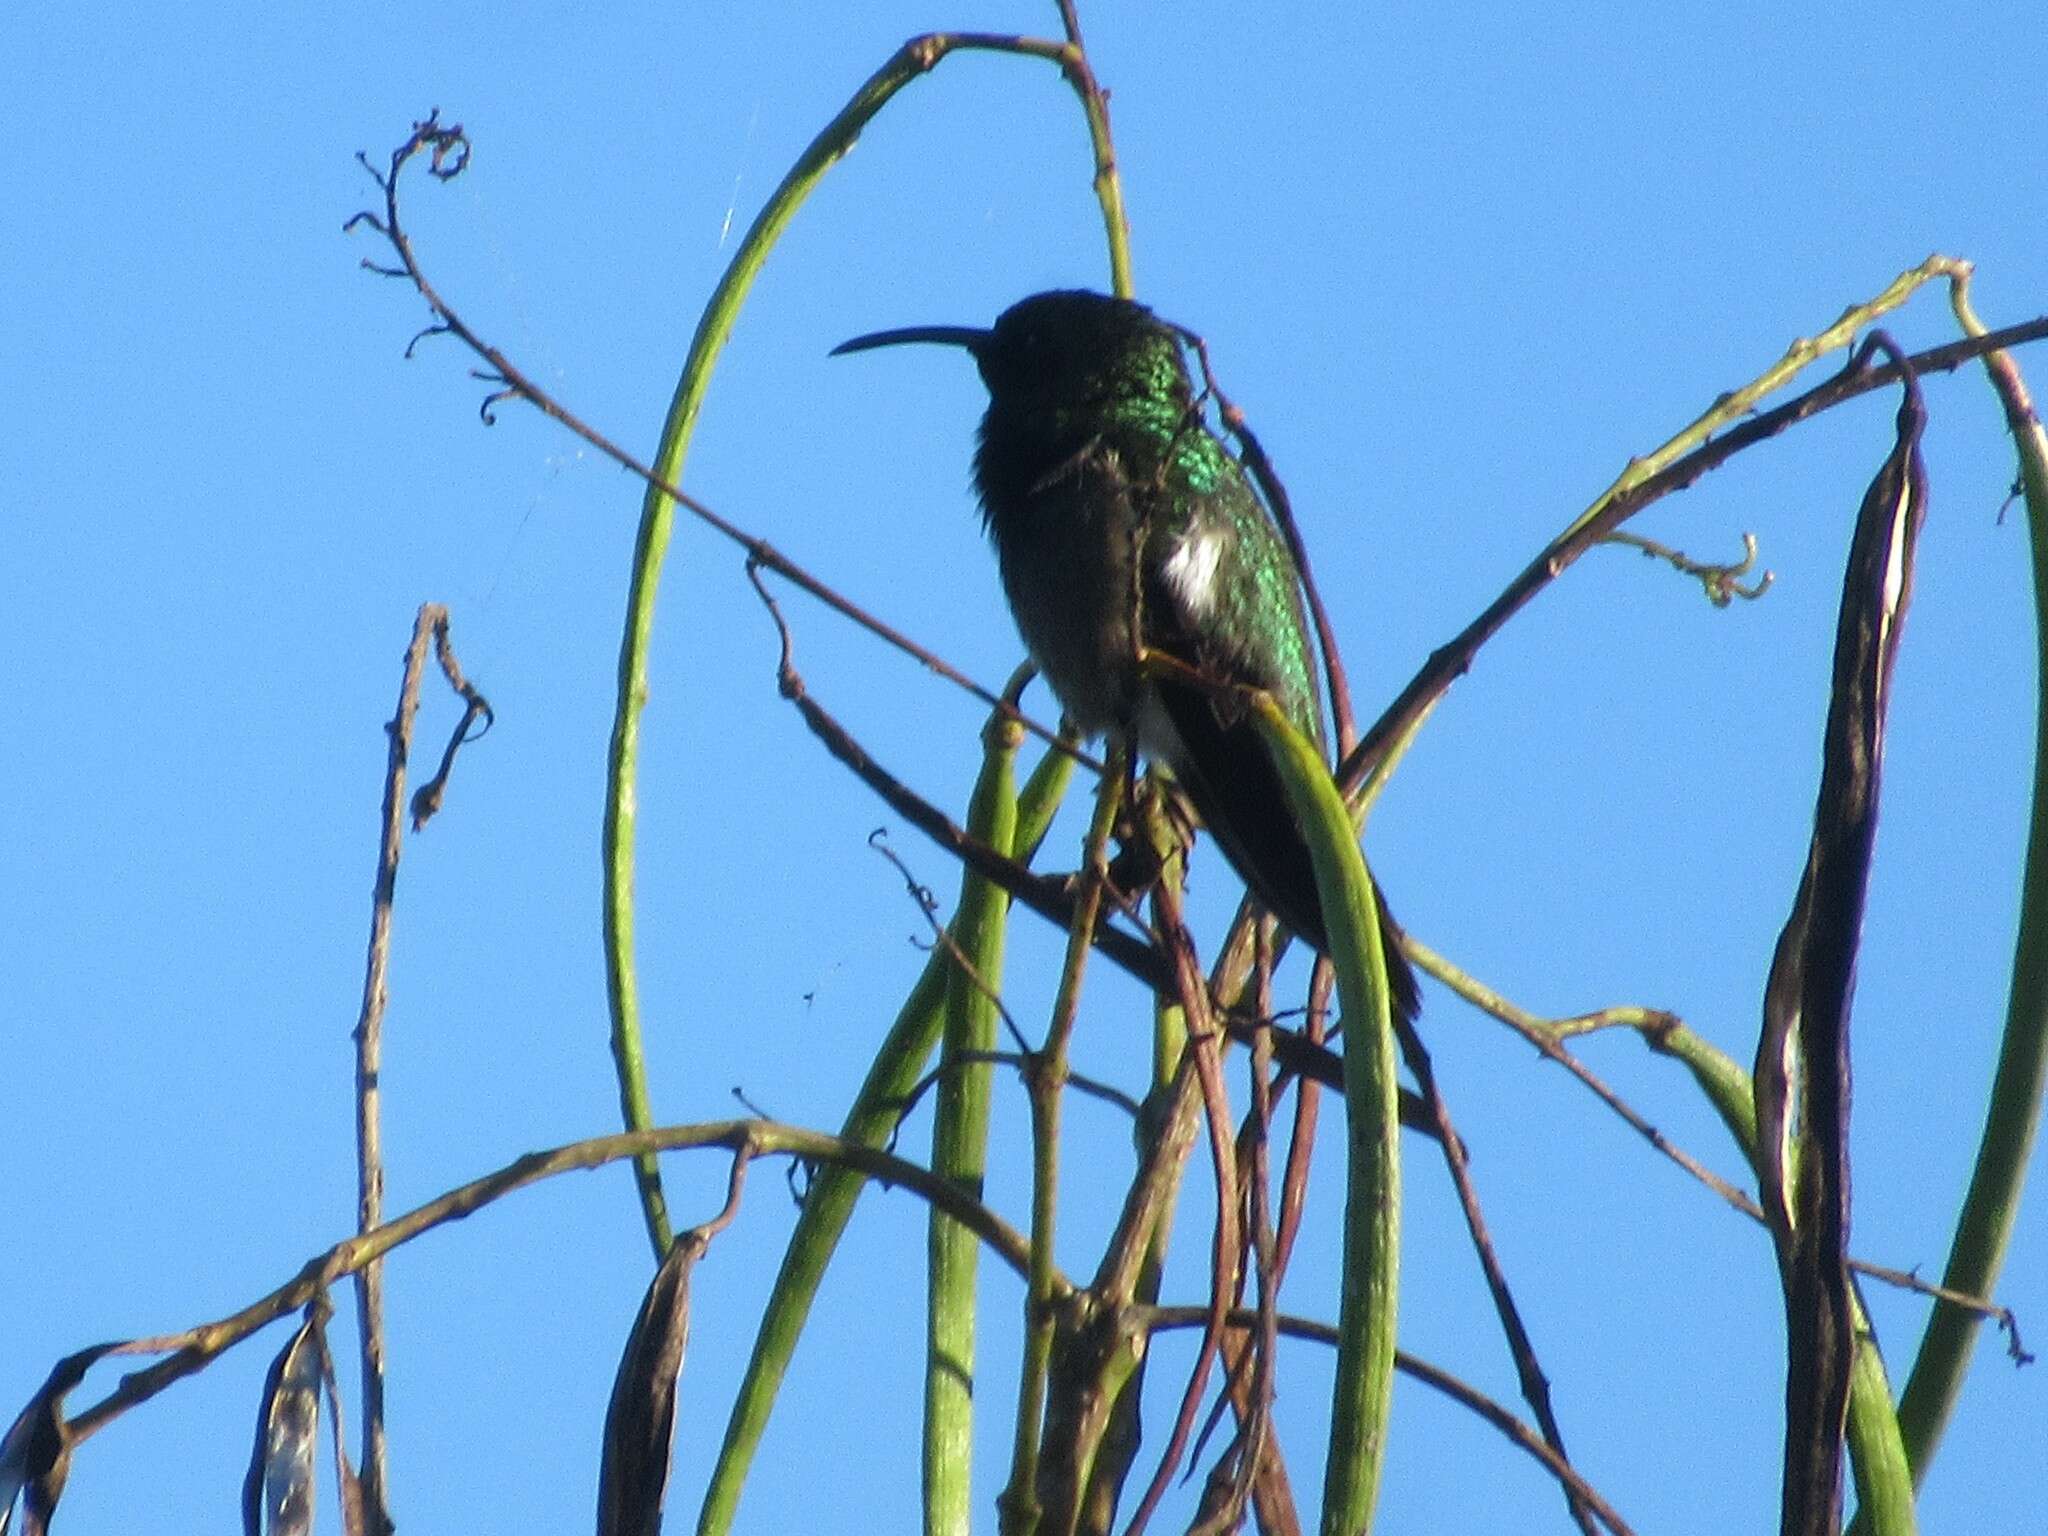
column 1984, row 1226
column 1125, row 1430
column 1018, row 1507
column 1736, row 404
column 960, row 1145
column 1363, row 1394
column 829, row 1202
column 1877, row 1450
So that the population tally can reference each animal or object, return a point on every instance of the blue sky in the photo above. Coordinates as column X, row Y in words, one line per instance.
column 1457, row 265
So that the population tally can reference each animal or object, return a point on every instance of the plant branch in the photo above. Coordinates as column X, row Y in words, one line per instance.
column 1722, row 1079
column 1020, row 1505
column 1204, row 1050
column 1529, row 1372
column 369, row 1033
column 1723, row 582
column 1160, row 1319
column 198, row 1347
column 1677, row 464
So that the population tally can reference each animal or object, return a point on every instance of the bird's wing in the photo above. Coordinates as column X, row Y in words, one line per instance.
column 1220, row 759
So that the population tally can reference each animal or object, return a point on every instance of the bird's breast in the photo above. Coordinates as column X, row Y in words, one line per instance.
column 1066, row 551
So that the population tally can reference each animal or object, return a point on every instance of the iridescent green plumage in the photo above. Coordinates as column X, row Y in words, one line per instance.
column 1092, row 454
column 1122, row 524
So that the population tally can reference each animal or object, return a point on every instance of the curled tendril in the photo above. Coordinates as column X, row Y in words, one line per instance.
column 438, row 328
column 921, row 893
column 450, row 147
column 1722, row 583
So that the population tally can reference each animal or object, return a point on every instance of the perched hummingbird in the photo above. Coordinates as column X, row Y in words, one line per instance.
column 1120, row 521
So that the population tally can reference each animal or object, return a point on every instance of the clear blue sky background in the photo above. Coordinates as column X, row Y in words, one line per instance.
column 1458, row 267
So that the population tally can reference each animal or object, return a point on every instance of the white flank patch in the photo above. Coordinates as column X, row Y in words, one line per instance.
column 1191, row 569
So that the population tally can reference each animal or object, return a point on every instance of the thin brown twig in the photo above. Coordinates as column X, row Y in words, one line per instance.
column 431, row 619
column 1257, row 1425
column 446, row 143
column 475, row 707
column 1225, row 1485
column 1052, row 898
column 1453, row 659
column 1308, row 1094
column 355, row 1509
column 1250, row 1359
column 1906, row 1280
column 429, row 626
column 1650, row 1023
column 198, row 1347
column 1023, row 1063
column 1642, row 1126
column 1722, row 581
column 1158, row 1319
column 1204, row 1047
column 735, row 1185
column 1529, row 1372
column 928, row 907
column 1546, row 1041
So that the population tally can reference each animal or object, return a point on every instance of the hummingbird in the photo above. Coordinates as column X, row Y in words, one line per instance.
column 1123, row 526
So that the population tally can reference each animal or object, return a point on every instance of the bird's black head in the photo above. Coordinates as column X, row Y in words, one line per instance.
column 1064, row 347
column 1068, row 344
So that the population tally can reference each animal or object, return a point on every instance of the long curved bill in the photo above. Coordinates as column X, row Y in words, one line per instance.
column 966, row 336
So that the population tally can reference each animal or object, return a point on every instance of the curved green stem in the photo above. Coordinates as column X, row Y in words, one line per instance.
column 657, row 523
column 1984, row 1226
column 1877, row 1450
column 1363, row 1394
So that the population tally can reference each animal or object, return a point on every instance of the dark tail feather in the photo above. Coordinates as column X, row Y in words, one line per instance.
column 1236, row 789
